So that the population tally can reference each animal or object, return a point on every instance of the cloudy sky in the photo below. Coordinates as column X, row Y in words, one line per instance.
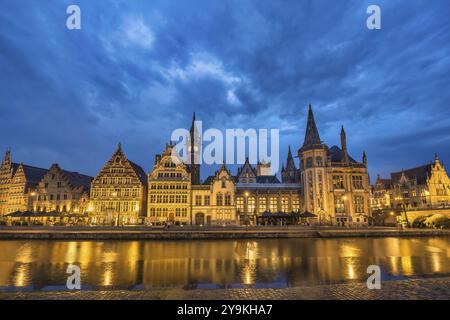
column 138, row 69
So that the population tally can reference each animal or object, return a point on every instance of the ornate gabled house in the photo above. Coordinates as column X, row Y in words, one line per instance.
column 62, row 191
column 213, row 202
column 7, row 170
column 169, row 191
column 22, row 188
column 119, row 191
column 381, row 198
column 423, row 187
column 290, row 174
column 334, row 185
column 18, row 185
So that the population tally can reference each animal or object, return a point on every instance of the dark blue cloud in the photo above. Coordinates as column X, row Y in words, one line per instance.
column 138, row 69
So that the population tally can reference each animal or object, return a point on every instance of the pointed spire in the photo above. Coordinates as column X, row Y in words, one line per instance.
column 119, row 147
column 290, row 164
column 312, row 134
column 193, row 122
column 344, row 146
column 364, row 157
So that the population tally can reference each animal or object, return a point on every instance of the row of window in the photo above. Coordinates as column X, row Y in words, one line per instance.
column 103, row 192
column 58, row 184
column 57, row 209
column 163, row 212
column 310, row 162
column 168, row 186
column 168, row 198
column 169, row 175
column 118, row 206
column 340, row 207
column 338, row 182
column 52, row 197
column 220, row 200
column 116, row 180
column 272, row 204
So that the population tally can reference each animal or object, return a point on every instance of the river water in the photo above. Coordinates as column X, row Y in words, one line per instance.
column 268, row 263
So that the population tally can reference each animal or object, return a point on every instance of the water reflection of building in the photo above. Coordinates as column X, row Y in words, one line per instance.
column 293, row 262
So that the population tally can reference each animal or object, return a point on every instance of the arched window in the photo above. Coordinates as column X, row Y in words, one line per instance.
column 251, row 204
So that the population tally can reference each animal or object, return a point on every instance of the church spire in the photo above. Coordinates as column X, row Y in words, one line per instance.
column 312, row 134
column 193, row 123
column 344, row 146
column 194, row 150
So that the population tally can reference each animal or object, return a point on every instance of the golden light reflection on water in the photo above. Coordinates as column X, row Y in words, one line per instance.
column 284, row 262
column 21, row 276
column 249, row 262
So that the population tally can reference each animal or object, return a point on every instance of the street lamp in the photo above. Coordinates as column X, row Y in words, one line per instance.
column 246, row 194
column 402, row 203
column 32, row 194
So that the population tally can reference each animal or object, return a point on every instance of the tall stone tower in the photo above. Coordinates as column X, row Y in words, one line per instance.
column 313, row 160
column 5, row 178
column 195, row 152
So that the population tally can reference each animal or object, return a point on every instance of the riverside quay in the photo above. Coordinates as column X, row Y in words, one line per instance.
column 327, row 187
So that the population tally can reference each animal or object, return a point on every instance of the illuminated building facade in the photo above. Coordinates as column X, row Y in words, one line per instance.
column 423, row 187
column 176, row 195
column 327, row 182
column 17, row 185
column 258, row 192
column 334, row 185
column 62, row 191
column 213, row 202
column 169, row 190
column 119, row 192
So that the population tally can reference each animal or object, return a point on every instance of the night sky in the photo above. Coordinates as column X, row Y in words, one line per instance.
column 138, row 69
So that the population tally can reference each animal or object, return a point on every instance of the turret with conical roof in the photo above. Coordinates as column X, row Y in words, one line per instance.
column 312, row 137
